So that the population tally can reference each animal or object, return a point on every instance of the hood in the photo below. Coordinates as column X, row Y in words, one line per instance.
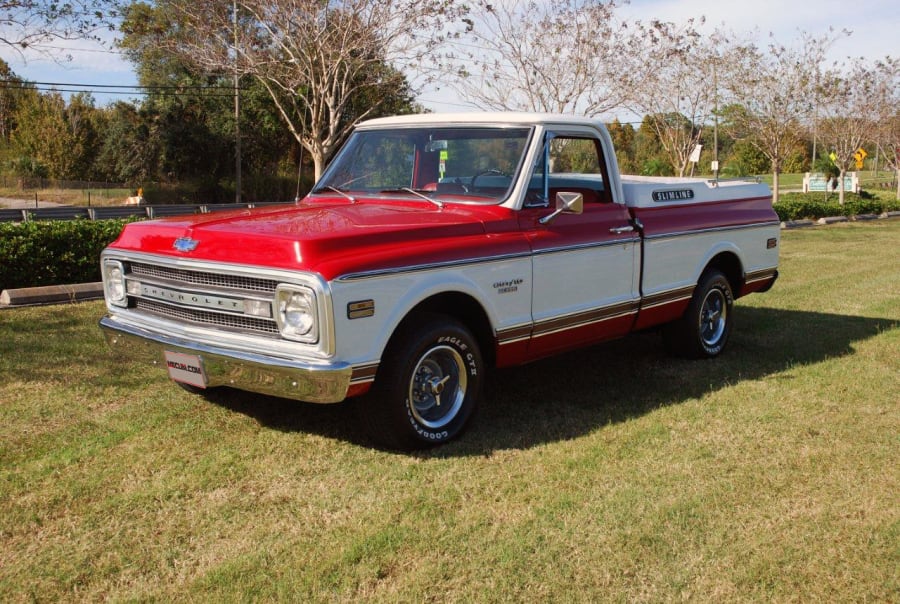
column 325, row 235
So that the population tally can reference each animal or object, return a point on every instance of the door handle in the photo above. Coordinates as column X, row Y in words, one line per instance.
column 621, row 229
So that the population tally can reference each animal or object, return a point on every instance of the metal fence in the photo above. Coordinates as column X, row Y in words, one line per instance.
column 103, row 213
column 35, row 182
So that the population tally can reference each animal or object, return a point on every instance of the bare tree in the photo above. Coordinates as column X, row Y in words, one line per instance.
column 560, row 56
column 850, row 112
column 776, row 90
column 671, row 79
column 33, row 24
column 887, row 134
column 313, row 57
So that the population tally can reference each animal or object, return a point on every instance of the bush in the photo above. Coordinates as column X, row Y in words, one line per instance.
column 798, row 206
column 54, row 252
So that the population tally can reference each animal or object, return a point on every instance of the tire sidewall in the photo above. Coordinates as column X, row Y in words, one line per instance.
column 436, row 333
column 713, row 282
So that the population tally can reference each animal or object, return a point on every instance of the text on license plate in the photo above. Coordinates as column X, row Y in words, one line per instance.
column 186, row 368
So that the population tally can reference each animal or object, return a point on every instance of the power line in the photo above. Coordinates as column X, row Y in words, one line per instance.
column 120, row 89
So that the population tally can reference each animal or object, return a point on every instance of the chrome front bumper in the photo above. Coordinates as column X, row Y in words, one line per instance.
column 298, row 380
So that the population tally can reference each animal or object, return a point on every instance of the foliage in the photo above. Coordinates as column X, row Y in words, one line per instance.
column 562, row 56
column 746, row 160
column 53, row 252
column 798, row 206
column 34, row 23
column 315, row 60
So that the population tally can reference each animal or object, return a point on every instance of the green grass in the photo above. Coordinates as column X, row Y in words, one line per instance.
column 610, row 474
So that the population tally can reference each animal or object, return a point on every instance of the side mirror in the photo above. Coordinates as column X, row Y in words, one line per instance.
column 566, row 203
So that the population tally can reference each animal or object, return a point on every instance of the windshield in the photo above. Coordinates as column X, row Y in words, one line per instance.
column 463, row 164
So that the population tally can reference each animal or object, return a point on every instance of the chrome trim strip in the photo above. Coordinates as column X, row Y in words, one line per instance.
column 415, row 268
column 516, row 333
column 274, row 376
column 760, row 275
column 584, row 318
column 756, row 225
column 586, row 246
column 667, row 297
column 363, row 374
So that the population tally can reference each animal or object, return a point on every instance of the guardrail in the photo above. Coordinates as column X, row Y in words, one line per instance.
column 103, row 213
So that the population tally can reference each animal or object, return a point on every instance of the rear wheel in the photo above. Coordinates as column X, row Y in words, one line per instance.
column 703, row 330
column 427, row 386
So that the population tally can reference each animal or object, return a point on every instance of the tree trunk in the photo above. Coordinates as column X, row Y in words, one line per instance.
column 775, row 186
column 318, row 162
column 841, row 188
column 898, row 183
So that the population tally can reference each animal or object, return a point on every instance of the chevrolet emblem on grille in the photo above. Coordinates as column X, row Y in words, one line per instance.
column 185, row 244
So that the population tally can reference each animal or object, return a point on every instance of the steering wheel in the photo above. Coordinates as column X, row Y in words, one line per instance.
column 486, row 173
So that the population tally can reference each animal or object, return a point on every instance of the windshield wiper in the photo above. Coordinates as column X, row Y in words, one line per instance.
column 416, row 193
column 336, row 190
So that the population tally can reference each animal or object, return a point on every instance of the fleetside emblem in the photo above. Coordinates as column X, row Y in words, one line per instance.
column 185, row 244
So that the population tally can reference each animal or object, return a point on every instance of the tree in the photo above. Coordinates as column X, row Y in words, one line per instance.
column 32, row 24
column 561, row 56
column 850, row 106
column 623, row 138
column 312, row 57
column 11, row 90
column 670, row 68
column 887, row 133
column 774, row 90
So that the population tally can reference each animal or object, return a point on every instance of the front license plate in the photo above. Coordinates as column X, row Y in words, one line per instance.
column 186, row 368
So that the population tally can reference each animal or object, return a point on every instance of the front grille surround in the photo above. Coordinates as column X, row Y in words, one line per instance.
column 235, row 284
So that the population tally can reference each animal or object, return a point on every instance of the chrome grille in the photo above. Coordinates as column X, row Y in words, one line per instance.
column 178, row 275
column 201, row 317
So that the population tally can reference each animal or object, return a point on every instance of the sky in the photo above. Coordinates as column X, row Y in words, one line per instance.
column 875, row 25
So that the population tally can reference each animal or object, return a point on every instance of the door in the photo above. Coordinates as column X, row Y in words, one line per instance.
column 585, row 266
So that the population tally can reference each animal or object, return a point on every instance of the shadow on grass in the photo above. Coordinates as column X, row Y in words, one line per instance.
column 573, row 394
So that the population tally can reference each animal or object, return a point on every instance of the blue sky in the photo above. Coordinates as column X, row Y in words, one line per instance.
column 875, row 25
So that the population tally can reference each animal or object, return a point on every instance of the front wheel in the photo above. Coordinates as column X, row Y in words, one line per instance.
column 703, row 330
column 427, row 386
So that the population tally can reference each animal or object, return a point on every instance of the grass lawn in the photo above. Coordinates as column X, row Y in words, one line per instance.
column 611, row 474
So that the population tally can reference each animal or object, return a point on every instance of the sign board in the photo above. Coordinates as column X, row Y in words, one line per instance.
column 695, row 154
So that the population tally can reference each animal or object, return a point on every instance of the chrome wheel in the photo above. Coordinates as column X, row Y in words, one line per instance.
column 437, row 387
column 713, row 317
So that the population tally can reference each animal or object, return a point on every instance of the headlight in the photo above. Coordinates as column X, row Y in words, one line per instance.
column 114, row 283
column 296, row 313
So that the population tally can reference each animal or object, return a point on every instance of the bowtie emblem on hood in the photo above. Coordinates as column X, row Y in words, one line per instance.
column 185, row 244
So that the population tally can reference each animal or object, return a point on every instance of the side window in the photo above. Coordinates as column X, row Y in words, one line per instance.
column 574, row 156
column 576, row 165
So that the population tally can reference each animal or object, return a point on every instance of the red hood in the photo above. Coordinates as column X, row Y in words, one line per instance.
column 330, row 236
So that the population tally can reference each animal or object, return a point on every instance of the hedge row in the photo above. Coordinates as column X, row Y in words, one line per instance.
column 799, row 206
column 53, row 252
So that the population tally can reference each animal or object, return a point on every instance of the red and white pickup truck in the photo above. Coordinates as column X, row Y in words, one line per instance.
column 432, row 248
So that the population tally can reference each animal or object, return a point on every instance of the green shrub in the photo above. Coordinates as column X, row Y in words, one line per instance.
column 798, row 206
column 53, row 252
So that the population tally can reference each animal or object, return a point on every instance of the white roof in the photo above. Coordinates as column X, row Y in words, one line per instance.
column 478, row 117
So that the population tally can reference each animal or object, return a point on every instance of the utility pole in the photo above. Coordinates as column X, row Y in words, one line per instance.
column 237, row 111
column 716, row 121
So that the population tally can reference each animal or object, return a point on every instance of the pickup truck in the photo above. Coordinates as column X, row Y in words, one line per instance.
column 433, row 248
